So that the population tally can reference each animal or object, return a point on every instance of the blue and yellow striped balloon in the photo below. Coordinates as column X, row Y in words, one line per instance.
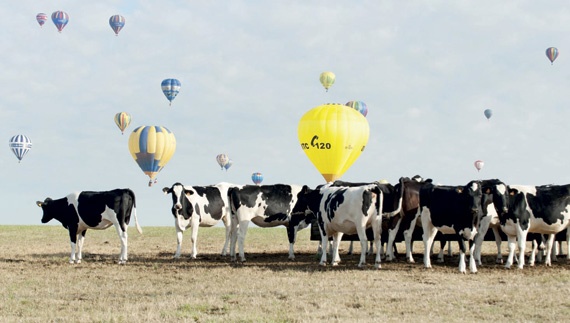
column 152, row 147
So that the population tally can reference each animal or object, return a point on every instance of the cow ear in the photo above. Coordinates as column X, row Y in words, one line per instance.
column 188, row 192
column 39, row 203
column 166, row 190
column 488, row 191
column 512, row 191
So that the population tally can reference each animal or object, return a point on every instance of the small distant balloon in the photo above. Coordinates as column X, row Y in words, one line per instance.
column 552, row 53
column 117, row 22
column 122, row 120
column 41, row 18
column 257, row 178
column 327, row 79
column 60, row 19
column 358, row 106
column 488, row 113
column 20, row 146
column 222, row 160
column 170, row 88
column 229, row 164
column 479, row 164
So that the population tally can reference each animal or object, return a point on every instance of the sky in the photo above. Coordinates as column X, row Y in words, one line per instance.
column 250, row 70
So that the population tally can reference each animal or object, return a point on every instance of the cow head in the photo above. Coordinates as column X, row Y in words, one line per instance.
column 45, row 205
column 494, row 191
column 472, row 196
column 180, row 203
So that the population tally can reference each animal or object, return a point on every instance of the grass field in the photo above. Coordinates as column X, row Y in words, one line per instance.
column 38, row 284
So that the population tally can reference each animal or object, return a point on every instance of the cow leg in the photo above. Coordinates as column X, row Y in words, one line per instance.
column 73, row 243
column 233, row 240
column 498, row 241
column 408, row 240
column 429, row 234
column 350, row 248
column 324, row 243
column 521, row 241
column 461, row 243
column 227, row 224
column 440, row 255
column 335, row 257
column 512, row 240
column 79, row 250
column 533, row 252
column 377, row 230
column 194, row 235
column 391, row 238
column 549, row 244
column 179, row 237
column 123, row 236
column 472, row 260
column 242, row 230
column 568, row 243
column 480, row 237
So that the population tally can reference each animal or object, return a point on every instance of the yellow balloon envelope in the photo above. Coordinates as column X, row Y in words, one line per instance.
column 122, row 120
column 333, row 136
column 327, row 79
column 152, row 147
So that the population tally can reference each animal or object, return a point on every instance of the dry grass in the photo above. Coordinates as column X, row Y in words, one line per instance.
column 38, row 285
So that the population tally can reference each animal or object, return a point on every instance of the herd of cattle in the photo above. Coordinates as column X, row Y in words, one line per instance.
column 465, row 212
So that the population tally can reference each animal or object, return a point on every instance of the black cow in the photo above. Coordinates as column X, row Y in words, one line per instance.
column 84, row 210
column 451, row 210
column 267, row 206
column 540, row 209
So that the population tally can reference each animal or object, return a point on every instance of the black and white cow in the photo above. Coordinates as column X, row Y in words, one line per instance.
column 495, row 202
column 540, row 209
column 451, row 210
column 351, row 210
column 199, row 206
column 84, row 210
column 266, row 206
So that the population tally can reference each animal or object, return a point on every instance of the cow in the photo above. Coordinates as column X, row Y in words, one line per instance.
column 392, row 198
column 199, row 206
column 493, row 205
column 451, row 210
column 541, row 209
column 266, row 206
column 84, row 210
column 351, row 210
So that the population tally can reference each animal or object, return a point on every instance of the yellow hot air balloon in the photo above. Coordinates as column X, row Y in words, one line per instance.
column 152, row 147
column 327, row 79
column 333, row 136
column 122, row 120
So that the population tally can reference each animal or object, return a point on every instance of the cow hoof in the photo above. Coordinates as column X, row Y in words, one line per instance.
column 499, row 261
column 78, row 261
column 176, row 256
column 72, row 262
column 322, row 264
column 334, row 264
column 377, row 266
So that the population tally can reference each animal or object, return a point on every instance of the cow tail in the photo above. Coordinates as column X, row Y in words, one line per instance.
column 139, row 229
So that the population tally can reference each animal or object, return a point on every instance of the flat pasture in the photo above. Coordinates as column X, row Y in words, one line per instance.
column 37, row 284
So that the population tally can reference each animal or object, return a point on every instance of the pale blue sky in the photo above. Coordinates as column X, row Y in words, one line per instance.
column 249, row 70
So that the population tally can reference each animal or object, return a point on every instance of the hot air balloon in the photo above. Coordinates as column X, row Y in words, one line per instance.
column 222, row 160
column 152, row 147
column 117, row 22
column 122, row 120
column 358, row 106
column 170, row 88
column 229, row 164
column 333, row 136
column 479, row 164
column 41, row 18
column 327, row 79
column 257, row 178
column 20, row 146
column 60, row 19
column 552, row 53
column 488, row 113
